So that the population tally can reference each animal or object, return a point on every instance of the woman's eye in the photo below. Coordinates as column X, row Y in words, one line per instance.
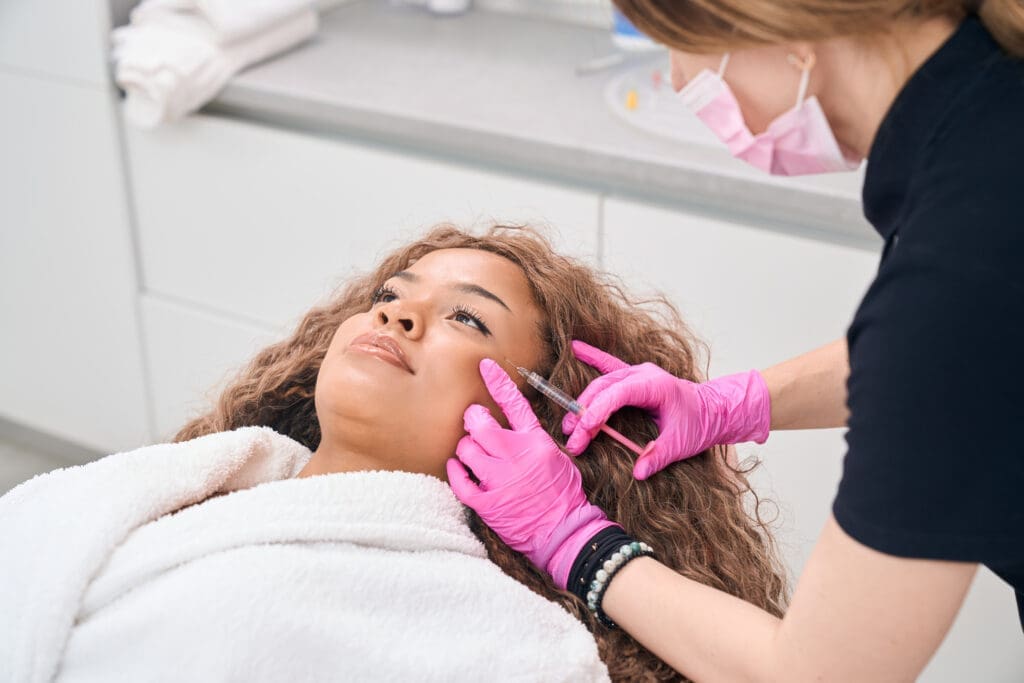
column 383, row 295
column 470, row 319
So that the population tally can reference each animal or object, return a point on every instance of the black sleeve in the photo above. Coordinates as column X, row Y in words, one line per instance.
column 935, row 460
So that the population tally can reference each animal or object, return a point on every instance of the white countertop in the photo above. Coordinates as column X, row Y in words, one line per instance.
column 500, row 90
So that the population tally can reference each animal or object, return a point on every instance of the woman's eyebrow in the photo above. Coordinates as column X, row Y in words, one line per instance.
column 470, row 288
column 466, row 287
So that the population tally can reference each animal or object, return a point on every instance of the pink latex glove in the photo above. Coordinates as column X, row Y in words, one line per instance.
column 690, row 416
column 530, row 492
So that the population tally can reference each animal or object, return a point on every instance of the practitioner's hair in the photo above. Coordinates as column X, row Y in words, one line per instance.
column 699, row 514
column 714, row 26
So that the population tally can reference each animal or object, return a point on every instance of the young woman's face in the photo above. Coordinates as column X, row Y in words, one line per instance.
column 400, row 375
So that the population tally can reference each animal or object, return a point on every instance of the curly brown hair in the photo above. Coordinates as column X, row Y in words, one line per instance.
column 699, row 514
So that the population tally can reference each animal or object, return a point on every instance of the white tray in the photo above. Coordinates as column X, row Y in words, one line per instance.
column 658, row 110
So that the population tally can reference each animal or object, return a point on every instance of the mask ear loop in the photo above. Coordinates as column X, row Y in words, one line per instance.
column 805, row 65
column 723, row 64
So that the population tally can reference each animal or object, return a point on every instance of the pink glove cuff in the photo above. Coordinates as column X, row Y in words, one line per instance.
column 745, row 404
column 560, row 563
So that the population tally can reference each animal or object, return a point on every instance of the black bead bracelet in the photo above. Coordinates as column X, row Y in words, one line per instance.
column 599, row 560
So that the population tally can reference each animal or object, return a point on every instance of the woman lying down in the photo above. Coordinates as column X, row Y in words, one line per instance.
column 303, row 529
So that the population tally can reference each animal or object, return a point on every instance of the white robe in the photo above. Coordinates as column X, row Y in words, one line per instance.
column 360, row 576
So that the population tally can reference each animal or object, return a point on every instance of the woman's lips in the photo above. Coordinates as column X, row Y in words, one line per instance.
column 384, row 347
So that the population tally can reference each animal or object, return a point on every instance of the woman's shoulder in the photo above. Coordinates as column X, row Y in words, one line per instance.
column 978, row 140
column 967, row 207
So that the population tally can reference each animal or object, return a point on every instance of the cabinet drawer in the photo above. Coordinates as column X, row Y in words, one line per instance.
column 758, row 296
column 260, row 223
column 191, row 355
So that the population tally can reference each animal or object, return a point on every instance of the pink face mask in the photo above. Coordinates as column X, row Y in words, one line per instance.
column 796, row 143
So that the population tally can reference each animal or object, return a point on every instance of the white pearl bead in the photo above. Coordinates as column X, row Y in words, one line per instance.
column 602, row 575
column 618, row 560
column 608, row 566
column 592, row 597
column 626, row 550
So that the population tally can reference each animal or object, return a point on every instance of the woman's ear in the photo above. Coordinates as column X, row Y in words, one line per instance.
column 802, row 51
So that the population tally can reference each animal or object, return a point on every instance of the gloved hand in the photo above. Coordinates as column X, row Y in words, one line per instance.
column 690, row 416
column 530, row 492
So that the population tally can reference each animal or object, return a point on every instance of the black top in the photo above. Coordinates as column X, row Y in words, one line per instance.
column 935, row 460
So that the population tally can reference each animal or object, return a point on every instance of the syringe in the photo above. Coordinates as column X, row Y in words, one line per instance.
column 573, row 406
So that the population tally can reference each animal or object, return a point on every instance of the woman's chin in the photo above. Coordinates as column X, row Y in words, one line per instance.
column 363, row 396
column 850, row 153
column 370, row 378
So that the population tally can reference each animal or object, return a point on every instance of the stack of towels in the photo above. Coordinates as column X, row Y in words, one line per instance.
column 176, row 55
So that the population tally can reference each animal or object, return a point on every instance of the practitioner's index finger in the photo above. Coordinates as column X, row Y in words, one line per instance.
column 477, row 417
column 595, row 357
column 508, row 397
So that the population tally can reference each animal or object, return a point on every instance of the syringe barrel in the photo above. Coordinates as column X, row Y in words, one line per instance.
column 555, row 394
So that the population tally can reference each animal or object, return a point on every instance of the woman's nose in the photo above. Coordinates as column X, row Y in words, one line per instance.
column 408, row 320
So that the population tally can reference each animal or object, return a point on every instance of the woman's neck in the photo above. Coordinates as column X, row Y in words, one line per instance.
column 333, row 461
column 335, row 456
column 864, row 79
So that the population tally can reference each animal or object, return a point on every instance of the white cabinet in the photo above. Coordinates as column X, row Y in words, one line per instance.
column 260, row 223
column 62, row 39
column 70, row 358
column 760, row 296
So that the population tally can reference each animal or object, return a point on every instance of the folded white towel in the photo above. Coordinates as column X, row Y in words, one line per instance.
column 174, row 57
column 228, row 20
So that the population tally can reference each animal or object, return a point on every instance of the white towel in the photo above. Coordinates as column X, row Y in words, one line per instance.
column 370, row 575
column 228, row 20
column 176, row 55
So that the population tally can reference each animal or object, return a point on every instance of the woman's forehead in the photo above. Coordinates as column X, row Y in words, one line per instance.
column 446, row 266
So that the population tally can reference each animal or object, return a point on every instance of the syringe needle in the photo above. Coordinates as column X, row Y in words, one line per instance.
column 572, row 405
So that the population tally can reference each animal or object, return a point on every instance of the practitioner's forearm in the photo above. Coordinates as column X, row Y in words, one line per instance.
column 856, row 615
column 701, row 632
column 809, row 391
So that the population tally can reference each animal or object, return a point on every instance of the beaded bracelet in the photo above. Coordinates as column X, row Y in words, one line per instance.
column 604, row 555
column 610, row 567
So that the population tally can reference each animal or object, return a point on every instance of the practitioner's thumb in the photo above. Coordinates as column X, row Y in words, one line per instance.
column 643, row 468
column 648, row 463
